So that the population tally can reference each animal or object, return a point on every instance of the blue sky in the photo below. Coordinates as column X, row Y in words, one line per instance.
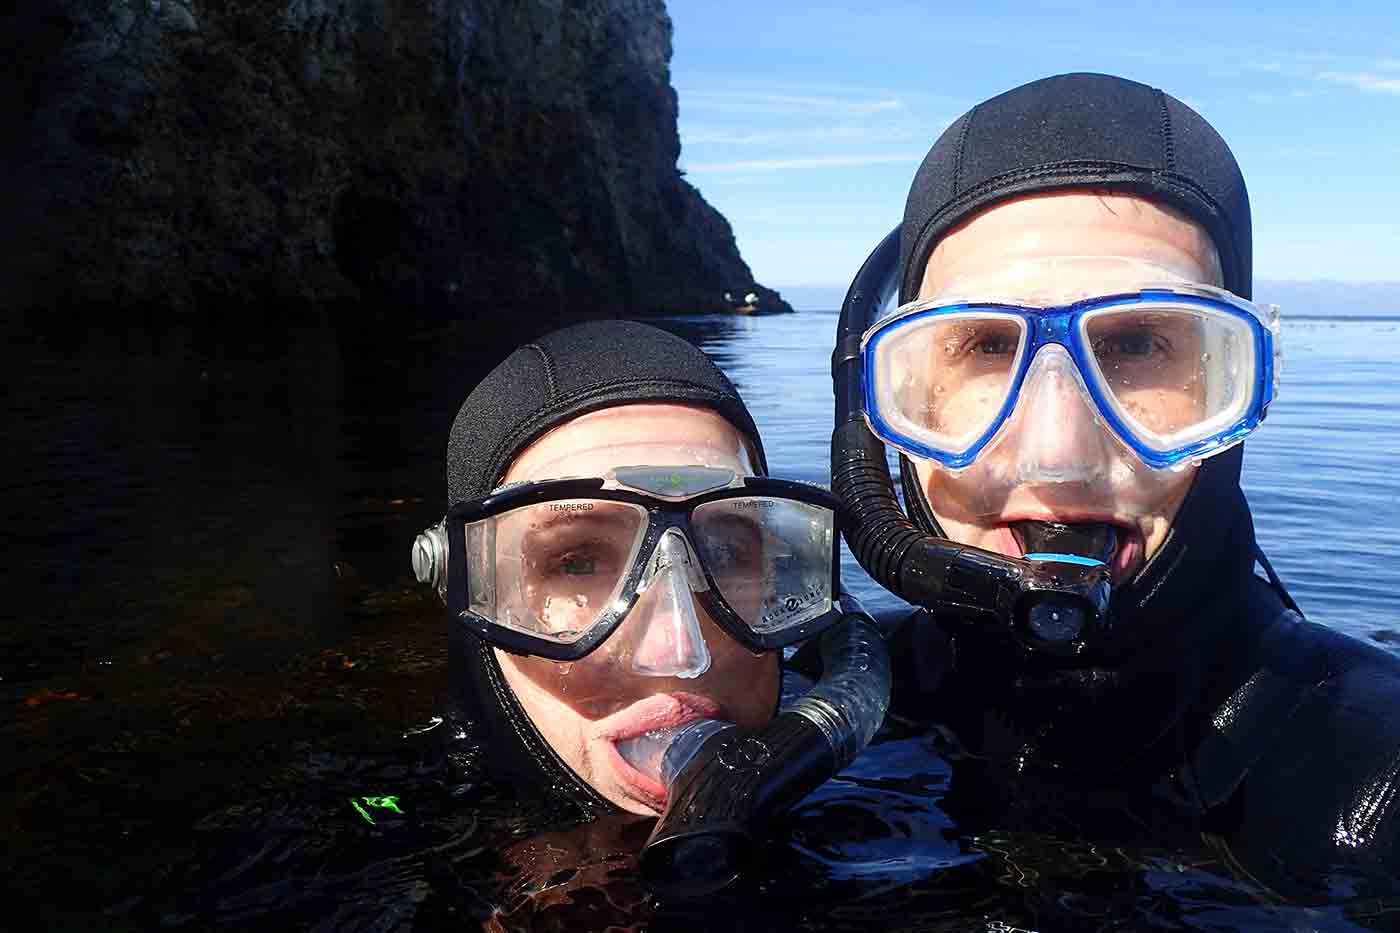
column 804, row 122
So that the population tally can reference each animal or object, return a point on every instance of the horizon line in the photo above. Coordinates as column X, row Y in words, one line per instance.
column 1320, row 281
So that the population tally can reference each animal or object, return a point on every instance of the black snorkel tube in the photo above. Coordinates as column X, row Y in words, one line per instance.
column 726, row 783
column 1053, row 606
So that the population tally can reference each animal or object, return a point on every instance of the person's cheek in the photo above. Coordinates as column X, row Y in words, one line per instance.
column 589, row 687
column 953, row 497
column 747, row 684
column 749, row 604
column 1156, row 520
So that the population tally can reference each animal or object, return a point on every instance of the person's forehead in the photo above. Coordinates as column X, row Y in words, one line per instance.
column 626, row 435
column 1070, row 244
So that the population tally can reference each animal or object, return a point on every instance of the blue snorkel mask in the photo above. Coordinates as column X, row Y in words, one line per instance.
column 1170, row 372
column 1175, row 371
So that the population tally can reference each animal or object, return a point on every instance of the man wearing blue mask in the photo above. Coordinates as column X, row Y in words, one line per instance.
column 1068, row 375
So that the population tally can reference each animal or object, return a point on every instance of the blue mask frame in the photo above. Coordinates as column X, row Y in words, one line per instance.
column 1060, row 325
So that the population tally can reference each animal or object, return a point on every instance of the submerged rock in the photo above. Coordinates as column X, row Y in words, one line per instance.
column 376, row 161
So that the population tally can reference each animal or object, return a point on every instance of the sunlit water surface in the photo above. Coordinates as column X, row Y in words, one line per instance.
column 216, row 650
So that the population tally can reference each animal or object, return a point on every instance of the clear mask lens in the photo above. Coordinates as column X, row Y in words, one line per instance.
column 770, row 558
column 945, row 379
column 551, row 570
column 1173, row 374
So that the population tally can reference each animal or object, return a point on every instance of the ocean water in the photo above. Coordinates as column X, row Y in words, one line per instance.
column 214, row 648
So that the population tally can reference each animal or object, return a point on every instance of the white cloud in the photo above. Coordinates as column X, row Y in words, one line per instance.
column 769, row 165
column 1377, row 75
column 713, row 135
column 1365, row 80
column 1299, row 94
column 767, row 102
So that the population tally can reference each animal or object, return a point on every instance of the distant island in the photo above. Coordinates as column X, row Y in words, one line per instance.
column 1305, row 299
column 506, row 167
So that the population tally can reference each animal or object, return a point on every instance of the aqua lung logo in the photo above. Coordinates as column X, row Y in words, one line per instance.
column 792, row 604
column 571, row 506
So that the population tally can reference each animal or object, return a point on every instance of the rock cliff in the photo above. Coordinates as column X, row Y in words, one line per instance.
column 511, row 163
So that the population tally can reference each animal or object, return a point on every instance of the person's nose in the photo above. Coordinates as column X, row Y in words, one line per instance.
column 1060, row 435
column 666, row 637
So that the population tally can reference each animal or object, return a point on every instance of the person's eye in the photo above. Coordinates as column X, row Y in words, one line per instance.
column 724, row 554
column 737, row 550
column 579, row 560
column 1137, row 344
column 994, row 345
column 983, row 341
column 577, row 564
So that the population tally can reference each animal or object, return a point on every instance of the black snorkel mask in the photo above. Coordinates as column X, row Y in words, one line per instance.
column 1052, row 607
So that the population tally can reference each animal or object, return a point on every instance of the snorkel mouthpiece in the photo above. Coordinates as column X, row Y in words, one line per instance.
column 725, row 783
column 1065, row 598
column 1091, row 541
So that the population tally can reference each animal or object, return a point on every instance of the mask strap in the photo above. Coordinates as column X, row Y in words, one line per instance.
column 1274, row 579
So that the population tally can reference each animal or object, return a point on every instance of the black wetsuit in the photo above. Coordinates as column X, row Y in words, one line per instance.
column 1278, row 736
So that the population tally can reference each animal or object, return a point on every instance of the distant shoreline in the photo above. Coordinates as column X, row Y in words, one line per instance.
column 1297, row 300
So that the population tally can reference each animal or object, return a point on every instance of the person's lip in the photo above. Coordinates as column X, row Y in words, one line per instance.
column 642, row 788
column 659, row 711
column 662, row 711
column 1127, row 553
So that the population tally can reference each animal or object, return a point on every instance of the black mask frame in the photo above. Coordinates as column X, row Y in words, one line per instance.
column 662, row 515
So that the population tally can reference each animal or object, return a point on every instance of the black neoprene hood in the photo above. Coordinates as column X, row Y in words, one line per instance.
column 571, row 372
column 1079, row 131
column 540, row 386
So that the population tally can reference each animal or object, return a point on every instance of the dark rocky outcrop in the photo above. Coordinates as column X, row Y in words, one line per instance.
column 507, row 162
